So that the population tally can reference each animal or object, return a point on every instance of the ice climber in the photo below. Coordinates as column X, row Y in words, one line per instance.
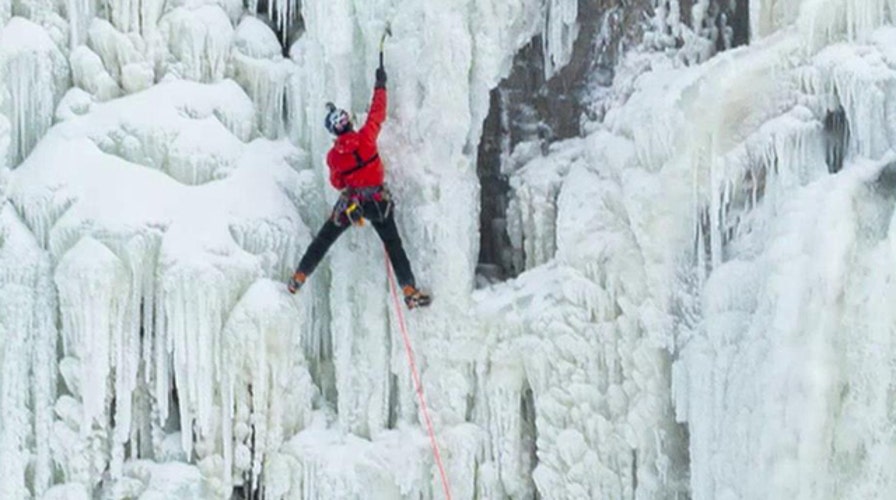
column 357, row 170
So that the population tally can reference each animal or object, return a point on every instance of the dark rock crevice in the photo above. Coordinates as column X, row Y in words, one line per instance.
column 528, row 107
column 836, row 138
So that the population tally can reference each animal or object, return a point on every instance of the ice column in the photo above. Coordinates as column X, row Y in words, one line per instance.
column 505, row 382
column 27, row 359
column 823, row 22
column 94, row 293
column 560, row 33
column 5, row 11
column 79, row 13
column 89, row 74
column 137, row 16
column 266, row 390
column 260, row 68
column 35, row 74
column 193, row 300
column 532, row 210
column 864, row 87
column 362, row 338
column 283, row 11
column 603, row 427
column 767, row 16
column 199, row 42
column 122, row 55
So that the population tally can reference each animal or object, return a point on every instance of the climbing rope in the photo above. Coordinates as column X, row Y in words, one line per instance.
column 418, row 385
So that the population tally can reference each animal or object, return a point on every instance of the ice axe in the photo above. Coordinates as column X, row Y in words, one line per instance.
column 386, row 32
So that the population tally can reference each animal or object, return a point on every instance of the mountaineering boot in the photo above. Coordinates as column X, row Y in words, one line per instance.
column 296, row 282
column 415, row 298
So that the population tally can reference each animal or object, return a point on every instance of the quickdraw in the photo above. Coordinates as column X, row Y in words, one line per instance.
column 355, row 218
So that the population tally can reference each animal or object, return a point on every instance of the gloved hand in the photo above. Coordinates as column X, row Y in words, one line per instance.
column 296, row 282
column 380, row 78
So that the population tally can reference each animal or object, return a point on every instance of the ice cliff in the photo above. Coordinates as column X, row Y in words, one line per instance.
column 701, row 309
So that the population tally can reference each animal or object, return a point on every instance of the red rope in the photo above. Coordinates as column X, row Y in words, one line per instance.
column 418, row 385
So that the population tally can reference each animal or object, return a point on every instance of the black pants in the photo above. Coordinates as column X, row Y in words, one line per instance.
column 385, row 228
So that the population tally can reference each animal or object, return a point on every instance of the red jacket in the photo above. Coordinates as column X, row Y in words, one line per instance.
column 354, row 159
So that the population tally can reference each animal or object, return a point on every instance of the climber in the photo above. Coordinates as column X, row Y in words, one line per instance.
column 357, row 170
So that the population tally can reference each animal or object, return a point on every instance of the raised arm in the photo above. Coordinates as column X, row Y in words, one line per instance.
column 377, row 114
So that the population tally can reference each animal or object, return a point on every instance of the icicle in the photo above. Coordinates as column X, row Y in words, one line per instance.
column 260, row 69
column 560, row 33
column 767, row 16
column 505, row 427
column 361, row 353
column 5, row 11
column 822, row 22
column 195, row 301
column 5, row 137
column 89, row 74
column 140, row 257
column 133, row 15
column 199, row 41
column 79, row 13
column 121, row 55
column 281, row 11
column 44, row 373
column 27, row 359
column 265, row 372
column 30, row 64
column 94, row 291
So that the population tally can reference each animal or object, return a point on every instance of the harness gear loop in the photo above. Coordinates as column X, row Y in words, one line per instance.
column 373, row 203
column 353, row 206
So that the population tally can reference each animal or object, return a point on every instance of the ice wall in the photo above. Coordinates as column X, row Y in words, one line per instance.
column 159, row 282
column 163, row 279
column 771, row 370
column 178, row 342
column 750, row 262
column 442, row 62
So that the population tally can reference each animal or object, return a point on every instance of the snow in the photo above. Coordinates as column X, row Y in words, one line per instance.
column 703, row 309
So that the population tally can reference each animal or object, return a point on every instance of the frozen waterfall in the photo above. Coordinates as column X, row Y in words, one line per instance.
column 702, row 309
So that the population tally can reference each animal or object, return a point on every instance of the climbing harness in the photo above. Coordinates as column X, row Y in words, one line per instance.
column 354, row 205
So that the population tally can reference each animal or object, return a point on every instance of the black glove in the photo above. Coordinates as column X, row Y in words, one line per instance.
column 380, row 78
column 296, row 282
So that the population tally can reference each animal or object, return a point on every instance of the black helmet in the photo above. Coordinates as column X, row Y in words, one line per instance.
column 338, row 121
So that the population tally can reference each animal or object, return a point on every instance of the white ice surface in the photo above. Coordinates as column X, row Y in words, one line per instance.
column 703, row 312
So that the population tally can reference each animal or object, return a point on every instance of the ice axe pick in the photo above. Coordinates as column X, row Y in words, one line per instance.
column 386, row 32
